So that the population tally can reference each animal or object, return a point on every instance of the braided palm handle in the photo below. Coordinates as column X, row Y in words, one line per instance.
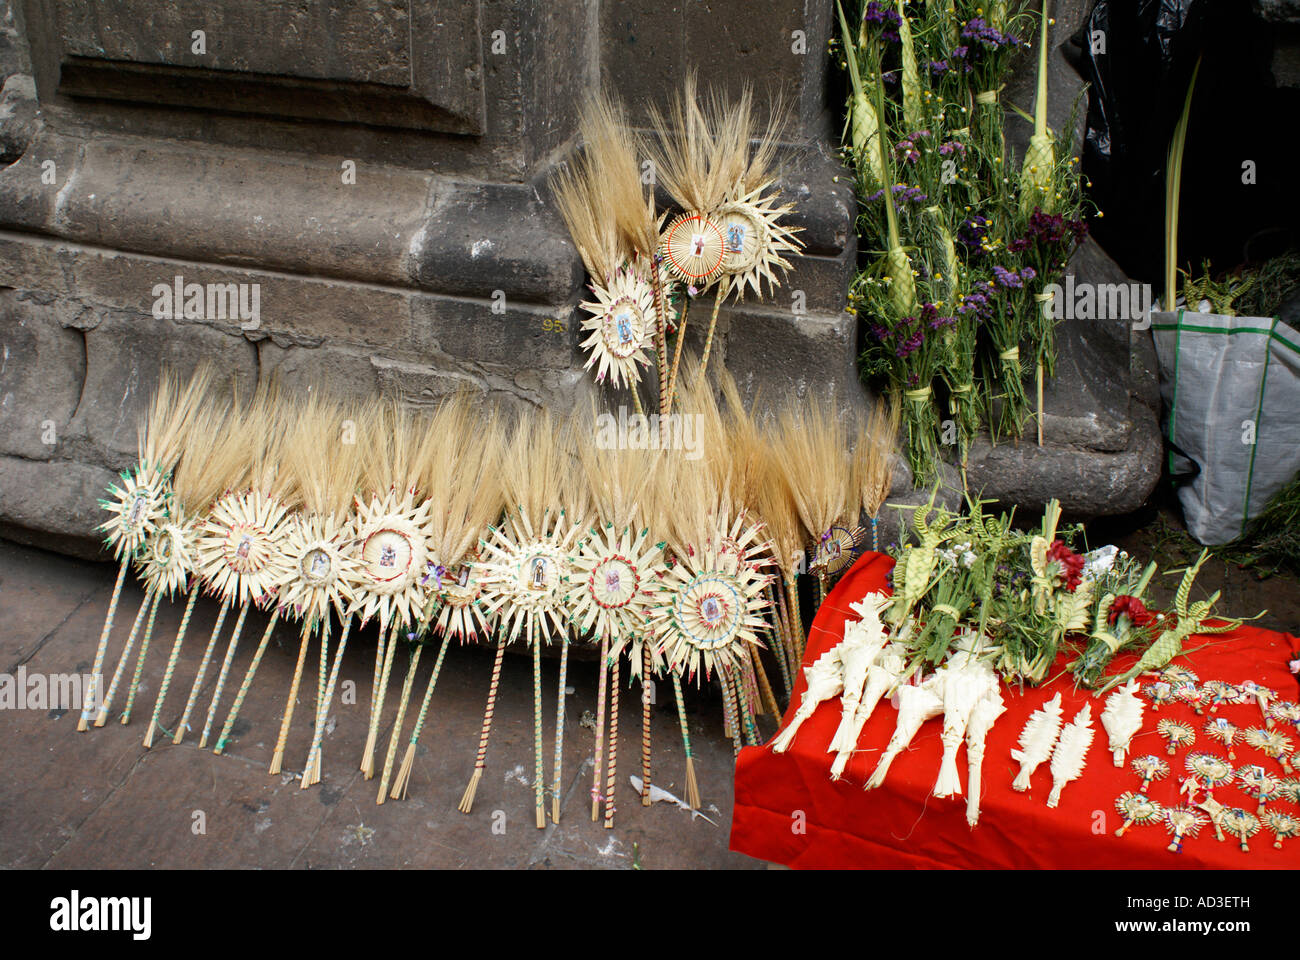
column 221, row 677
column 184, row 723
column 139, row 660
column 145, row 606
column 311, row 772
column 87, row 708
column 613, row 744
column 171, row 666
column 283, row 737
column 248, row 682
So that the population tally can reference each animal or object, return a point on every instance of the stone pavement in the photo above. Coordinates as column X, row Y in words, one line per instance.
column 100, row 800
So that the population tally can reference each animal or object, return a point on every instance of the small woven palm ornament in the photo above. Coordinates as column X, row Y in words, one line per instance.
column 1273, row 743
column 1149, row 767
column 1181, row 822
column 615, row 582
column 170, row 555
column 1176, row 734
column 1225, row 731
column 137, row 506
column 1211, row 770
column 620, row 328
column 1254, row 781
column 1284, row 826
column 460, row 611
column 1220, row 692
column 1241, row 824
column 1136, row 808
column 1159, row 693
column 1285, row 711
column 838, row 549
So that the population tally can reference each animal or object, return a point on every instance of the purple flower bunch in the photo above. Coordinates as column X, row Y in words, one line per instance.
column 972, row 233
column 902, row 195
column 978, row 32
column 909, row 335
column 906, row 150
column 884, row 20
column 951, row 147
column 1049, row 230
column 976, row 305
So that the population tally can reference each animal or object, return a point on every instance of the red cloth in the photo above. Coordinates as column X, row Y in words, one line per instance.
column 901, row 825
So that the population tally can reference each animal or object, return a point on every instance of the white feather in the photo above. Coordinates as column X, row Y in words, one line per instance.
column 1071, row 752
column 1036, row 741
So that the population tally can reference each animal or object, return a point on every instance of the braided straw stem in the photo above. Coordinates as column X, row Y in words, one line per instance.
column 311, row 771
column 677, row 354
column 145, row 606
column 87, row 708
column 380, row 652
column 467, row 801
column 661, row 353
column 713, row 324
column 184, row 723
column 559, row 732
column 221, row 677
column 692, row 785
column 599, row 755
column 732, row 698
column 746, row 697
column 139, row 660
column 728, row 712
column 278, row 757
column 796, row 619
column 613, row 744
column 404, row 772
column 248, row 682
column 647, row 690
column 322, row 677
column 766, row 702
column 397, row 724
column 780, row 632
column 377, row 705
column 171, row 665
column 539, row 785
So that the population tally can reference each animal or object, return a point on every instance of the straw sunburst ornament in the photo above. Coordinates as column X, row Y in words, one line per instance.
column 393, row 554
column 694, row 249
column 527, row 574
column 616, row 580
column 137, row 508
column 461, row 612
column 323, row 571
column 240, row 547
column 621, row 327
column 713, row 602
column 755, row 243
column 170, row 555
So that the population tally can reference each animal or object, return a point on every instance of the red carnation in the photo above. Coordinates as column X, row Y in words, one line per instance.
column 1071, row 564
column 1131, row 607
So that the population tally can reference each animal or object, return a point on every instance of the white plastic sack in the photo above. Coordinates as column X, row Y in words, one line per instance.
column 1231, row 391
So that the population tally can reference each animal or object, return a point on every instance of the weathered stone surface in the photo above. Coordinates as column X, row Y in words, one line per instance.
column 18, row 116
column 52, row 504
column 125, row 353
column 1086, row 482
column 42, row 368
column 1278, row 11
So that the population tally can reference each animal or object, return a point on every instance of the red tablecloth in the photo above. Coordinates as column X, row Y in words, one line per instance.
column 789, row 811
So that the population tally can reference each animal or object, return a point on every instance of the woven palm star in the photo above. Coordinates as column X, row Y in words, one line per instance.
column 460, row 600
column 323, row 569
column 621, row 325
column 170, row 555
column 754, row 243
column 694, row 249
column 241, row 547
column 838, row 548
column 616, row 579
column 392, row 536
column 527, row 573
column 137, row 507
column 713, row 600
